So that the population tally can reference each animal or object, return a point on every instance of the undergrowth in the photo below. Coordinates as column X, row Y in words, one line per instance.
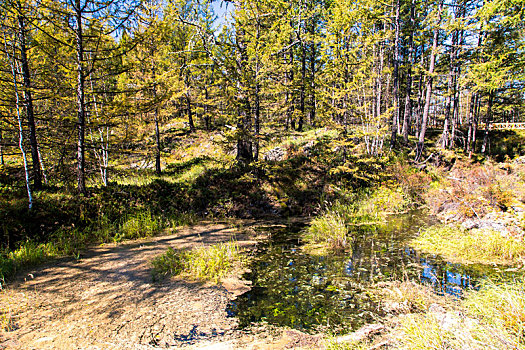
column 71, row 240
column 204, row 263
column 473, row 246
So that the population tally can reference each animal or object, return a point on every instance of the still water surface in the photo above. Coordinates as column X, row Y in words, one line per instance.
column 294, row 288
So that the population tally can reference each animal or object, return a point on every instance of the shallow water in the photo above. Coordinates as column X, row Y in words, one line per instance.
column 294, row 288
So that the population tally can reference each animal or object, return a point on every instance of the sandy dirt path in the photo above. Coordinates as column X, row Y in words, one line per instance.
column 108, row 300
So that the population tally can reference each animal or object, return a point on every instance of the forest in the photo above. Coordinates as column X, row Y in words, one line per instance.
column 262, row 174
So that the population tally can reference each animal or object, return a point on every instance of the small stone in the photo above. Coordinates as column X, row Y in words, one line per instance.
column 469, row 224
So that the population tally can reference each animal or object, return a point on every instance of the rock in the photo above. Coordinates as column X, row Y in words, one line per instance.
column 519, row 160
column 469, row 224
column 361, row 334
column 308, row 147
column 274, row 155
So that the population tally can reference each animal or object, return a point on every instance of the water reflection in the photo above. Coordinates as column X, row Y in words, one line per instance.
column 308, row 292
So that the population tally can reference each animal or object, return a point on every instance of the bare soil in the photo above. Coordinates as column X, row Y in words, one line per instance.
column 107, row 299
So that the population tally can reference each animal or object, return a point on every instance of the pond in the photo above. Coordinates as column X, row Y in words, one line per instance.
column 312, row 292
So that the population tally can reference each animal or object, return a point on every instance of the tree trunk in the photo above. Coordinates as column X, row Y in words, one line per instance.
column 257, row 107
column 28, row 102
column 1, row 149
column 303, row 87
column 158, row 169
column 445, row 137
column 12, row 63
column 81, row 109
column 244, row 124
column 396, row 114
column 190, row 114
column 312, row 75
column 407, row 116
column 430, row 78
column 485, row 148
column 471, row 128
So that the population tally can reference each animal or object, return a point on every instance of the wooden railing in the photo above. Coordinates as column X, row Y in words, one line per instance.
column 503, row 126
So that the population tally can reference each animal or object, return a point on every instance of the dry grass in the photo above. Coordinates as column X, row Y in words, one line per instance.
column 6, row 312
column 501, row 305
column 401, row 297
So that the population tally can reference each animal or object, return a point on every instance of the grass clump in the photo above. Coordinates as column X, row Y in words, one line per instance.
column 502, row 306
column 205, row 263
column 329, row 230
column 139, row 225
column 399, row 297
column 333, row 344
column 6, row 312
column 383, row 201
column 491, row 318
column 28, row 253
column 474, row 246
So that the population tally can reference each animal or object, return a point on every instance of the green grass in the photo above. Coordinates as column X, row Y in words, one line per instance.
column 71, row 240
column 29, row 253
column 332, row 344
column 204, row 263
column 474, row 246
column 329, row 230
column 141, row 224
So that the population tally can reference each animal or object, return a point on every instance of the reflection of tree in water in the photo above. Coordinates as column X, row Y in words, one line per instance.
column 303, row 291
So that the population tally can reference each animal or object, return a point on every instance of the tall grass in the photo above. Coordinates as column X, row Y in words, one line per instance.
column 330, row 230
column 70, row 241
column 501, row 305
column 138, row 225
column 495, row 320
column 6, row 312
column 29, row 253
column 474, row 246
column 205, row 263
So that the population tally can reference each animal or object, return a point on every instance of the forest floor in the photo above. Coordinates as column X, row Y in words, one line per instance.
column 107, row 299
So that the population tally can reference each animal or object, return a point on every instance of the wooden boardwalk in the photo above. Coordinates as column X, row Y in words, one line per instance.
column 508, row 126
column 503, row 126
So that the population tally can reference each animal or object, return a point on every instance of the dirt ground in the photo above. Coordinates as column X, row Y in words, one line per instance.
column 107, row 299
